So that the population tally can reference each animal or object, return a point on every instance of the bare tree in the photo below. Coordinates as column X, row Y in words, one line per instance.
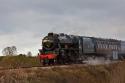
column 14, row 50
column 29, row 54
column 10, row 51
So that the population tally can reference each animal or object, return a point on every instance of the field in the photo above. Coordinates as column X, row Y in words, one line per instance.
column 18, row 61
column 110, row 73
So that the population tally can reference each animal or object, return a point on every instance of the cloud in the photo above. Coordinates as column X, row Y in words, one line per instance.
column 25, row 22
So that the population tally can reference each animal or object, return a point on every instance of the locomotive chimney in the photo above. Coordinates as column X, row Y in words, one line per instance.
column 50, row 34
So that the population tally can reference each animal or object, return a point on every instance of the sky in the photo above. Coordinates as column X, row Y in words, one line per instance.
column 23, row 23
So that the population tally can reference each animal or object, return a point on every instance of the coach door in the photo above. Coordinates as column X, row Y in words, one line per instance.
column 88, row 45
column 115, row 55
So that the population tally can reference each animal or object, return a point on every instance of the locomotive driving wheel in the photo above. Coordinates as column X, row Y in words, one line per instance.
column 51, row 62
column 44, row 62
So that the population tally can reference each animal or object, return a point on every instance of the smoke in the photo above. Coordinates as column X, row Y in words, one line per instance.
column 97, row 61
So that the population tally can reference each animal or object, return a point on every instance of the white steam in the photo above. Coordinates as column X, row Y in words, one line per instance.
column 97, row 61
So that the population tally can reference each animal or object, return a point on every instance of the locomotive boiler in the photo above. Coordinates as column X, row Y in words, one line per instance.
column 66, row 49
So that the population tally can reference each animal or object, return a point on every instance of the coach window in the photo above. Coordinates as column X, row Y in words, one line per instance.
column 102, row 43
column 97, row 44
column 116, row 47
column 119, row 47
column 103, row 46
column 112, row 46
column 106, row 46
column 88, row 45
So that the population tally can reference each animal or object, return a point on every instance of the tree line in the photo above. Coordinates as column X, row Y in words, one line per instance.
column 12, row 51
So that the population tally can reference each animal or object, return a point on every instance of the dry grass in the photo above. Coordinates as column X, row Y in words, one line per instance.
column 114, row 73
column 18, row 61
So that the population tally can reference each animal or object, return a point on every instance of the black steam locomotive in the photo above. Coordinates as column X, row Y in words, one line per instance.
column 65, row 49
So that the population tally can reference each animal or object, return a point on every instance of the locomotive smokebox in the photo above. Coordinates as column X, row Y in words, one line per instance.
column 50, row 42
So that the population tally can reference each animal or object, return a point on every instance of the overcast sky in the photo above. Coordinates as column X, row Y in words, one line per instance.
column 23, row 23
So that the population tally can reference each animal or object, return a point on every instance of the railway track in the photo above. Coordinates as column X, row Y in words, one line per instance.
column 62, row 66
column 46, row 67
column 36, row 67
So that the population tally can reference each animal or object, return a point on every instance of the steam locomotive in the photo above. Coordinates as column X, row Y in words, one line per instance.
column 66, row 49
